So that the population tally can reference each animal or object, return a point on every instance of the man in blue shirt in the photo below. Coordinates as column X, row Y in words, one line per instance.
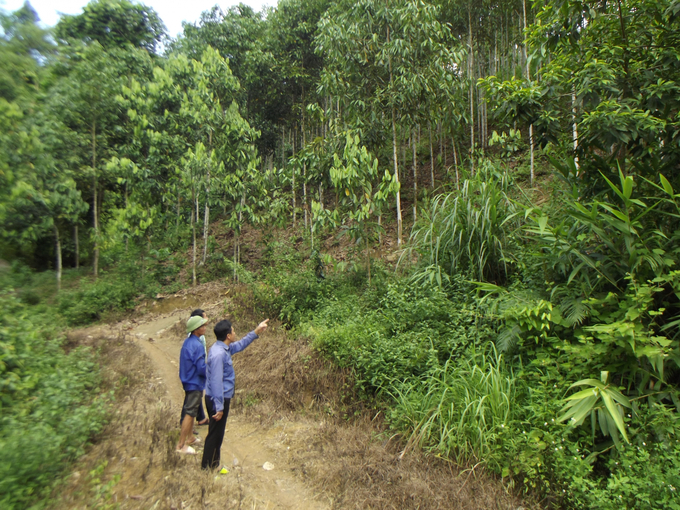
column 220, row 385
column 192, row 375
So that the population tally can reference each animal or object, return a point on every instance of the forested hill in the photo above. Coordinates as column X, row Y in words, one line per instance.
column 520, row 160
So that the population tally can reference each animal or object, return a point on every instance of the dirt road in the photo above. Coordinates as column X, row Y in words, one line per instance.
column 247, row 446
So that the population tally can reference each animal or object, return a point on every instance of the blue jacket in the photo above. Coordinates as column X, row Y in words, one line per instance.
column 192, row 364
column 221, row 376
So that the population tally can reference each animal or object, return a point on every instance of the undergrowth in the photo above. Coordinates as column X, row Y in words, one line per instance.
column 48, row 405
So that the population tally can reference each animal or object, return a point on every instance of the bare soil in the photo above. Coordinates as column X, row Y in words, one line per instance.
column 292, row 409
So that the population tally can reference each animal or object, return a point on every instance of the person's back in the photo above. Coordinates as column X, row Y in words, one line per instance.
column 192, row 364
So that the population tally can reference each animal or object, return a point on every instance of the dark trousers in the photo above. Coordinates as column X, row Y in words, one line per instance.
column 213, row 441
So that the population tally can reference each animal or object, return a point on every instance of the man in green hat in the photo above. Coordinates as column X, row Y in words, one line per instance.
column 192, row 375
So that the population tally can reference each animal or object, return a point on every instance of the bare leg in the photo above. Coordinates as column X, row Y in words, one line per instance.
column 187, row 429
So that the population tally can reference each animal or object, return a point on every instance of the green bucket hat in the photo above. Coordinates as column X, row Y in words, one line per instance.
column 195, row 322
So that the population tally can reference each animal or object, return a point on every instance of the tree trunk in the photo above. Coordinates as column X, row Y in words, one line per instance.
column 441, row 148
column 429, row 130
column 471, row 60
column 95, row 201
column 368, row 261
column 304, row 164
column 235, row 255
column 396, row 176
column 206, row 223
column 574, row 133
column 283, row 147
column 76, row 241
column 293, row 134
column 127, row 237
column 415, row 177
column 394, row 147
column 194, row 217
column 178, row 214
column 58, row 250
column 455, row 162
column 531, row 127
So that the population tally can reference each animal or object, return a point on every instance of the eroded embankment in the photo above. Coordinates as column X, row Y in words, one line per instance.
column 291, row 410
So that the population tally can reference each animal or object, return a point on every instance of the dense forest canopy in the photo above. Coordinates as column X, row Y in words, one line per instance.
column 524, row 154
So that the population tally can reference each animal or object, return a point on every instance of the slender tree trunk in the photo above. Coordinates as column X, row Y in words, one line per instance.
column 76, row 241
column 127, row 237
column 531, row 127
column 574, row 128
column 441, row 148
column 283, row 147
column 194, row 217
column 394, row 148
column 58, row 253
column 95, row 200
column 294, row 133
column 178, row 214
column 429, row 130
column 235, row 255
column 304, row 164
column 471, row 60
column 206, row 223
column 455, row 162
column 206, row 212
column 237, row 236
column 368, row 261
column 415, row 177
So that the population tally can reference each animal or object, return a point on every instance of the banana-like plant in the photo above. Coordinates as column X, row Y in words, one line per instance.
column 601, row 402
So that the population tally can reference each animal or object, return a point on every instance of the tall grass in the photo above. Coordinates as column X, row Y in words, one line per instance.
column 465, row 409
column 468, row 231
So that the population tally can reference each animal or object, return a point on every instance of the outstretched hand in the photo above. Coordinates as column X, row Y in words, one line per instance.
column 261, row 327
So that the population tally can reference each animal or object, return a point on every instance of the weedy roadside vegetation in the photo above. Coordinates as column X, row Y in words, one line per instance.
column 538, row 342
column 51, row 406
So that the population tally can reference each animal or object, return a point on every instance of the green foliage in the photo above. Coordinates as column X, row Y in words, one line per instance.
column 48, row 413
column 599, row 400
column 397, row 333
column 509, row 142
column 618, row 61
column 468, row 231
column 290, row 288
column 92, row 301
column 466, row 409
column 114, row 23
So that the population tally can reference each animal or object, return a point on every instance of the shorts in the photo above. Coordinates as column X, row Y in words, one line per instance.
column 192, row 401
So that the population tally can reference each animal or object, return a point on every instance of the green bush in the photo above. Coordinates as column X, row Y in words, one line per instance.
column 395, row 334
column 47, row 411
column 92, row 300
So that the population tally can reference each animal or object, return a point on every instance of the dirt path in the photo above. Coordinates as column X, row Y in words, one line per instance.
column 247, row 447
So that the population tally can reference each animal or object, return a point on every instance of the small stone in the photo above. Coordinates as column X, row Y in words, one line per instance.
column 267, row 466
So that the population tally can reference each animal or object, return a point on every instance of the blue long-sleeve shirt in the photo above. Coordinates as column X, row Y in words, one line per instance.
column 192, row 364
column 221, row 376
